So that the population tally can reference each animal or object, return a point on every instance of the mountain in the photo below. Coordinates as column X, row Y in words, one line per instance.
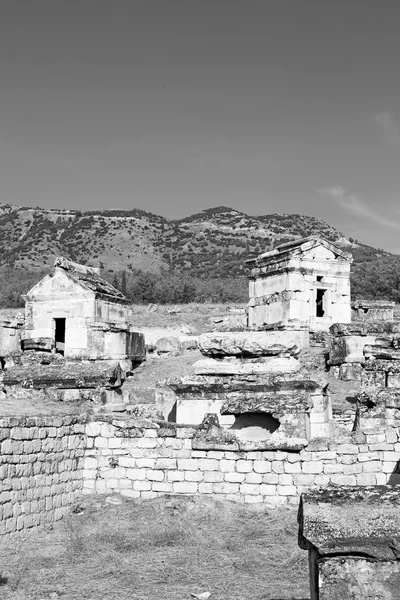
column 206, row 243
column 209, row 245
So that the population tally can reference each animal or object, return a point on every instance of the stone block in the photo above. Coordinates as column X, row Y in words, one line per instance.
column 205, row 488
column 249, row 489
column 233, row 477
column 267, row 489
column 244, row 466
column 142, row 486
column 155, row 475
column 208, row 464
column 162, row 487
column 343, row 479
column 214, row 476
column 147, row 443
column 277, row 466
column 312, row 468
column 175, row 476
column 145, row 463
column 352, row 469
column 166, row 463
column 226, row 466
column 185, row 487
column 262, row 466
column 292, row 467
column 253, row 478
column 366, row 479
column 194, row 476
column 136, row 474
column 188, row 464
column 271, row 478
column 286, row 490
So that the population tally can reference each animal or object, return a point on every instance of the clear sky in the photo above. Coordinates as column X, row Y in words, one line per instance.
column 173, row 106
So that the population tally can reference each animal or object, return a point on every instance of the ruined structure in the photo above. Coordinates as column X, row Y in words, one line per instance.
column 372, row 310
column 80, row 315
column 254, row 387
column 366, row 352
column 307, row 280
column 353, row 538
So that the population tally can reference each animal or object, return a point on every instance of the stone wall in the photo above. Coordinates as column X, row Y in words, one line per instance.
column 41, row 461
column 47, row 462
column 143, row 461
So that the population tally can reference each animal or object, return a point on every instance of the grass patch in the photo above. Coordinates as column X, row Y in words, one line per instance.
column 162, row 549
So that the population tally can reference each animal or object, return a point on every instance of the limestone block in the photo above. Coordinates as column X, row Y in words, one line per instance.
column 210, row 366
column 348, row 349
column 168, row 346
column 250, row 344
column 355, row 577
column 340, row 527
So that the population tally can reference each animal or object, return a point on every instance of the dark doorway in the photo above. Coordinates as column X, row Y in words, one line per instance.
column 60, row 325
column 320, row 303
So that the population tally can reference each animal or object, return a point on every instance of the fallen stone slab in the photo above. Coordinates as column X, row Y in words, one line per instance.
column 68, row 375
column 247, row 344
column 370, row 328
column 351, row 520
column 168, row 346
column 43, row 344
column 375, row 351
column 211, row 366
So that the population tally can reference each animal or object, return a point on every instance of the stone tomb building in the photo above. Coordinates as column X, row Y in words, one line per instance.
column 306, row 280
column 75, row 312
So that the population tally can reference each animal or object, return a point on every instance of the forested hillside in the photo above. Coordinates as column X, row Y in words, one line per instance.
column 153, row 259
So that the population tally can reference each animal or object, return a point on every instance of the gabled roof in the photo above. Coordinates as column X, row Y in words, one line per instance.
column 298, row 247
column 89, row 278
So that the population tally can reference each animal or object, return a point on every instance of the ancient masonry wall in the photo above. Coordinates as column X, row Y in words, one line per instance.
column 146, row 462
column 41, row 469
column 46, row 463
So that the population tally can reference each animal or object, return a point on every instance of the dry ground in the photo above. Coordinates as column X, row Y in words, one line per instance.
column 161, row 549
column 200, row 316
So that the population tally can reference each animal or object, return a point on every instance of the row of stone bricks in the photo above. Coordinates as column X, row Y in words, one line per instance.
column 249, row 483
column 40, row 433
column 34, row 482
column 42, row 457
column 25, row 521
column 70, row 442
column 48, row 498
column 223, row 490
column 48, row 422
column 316, row 463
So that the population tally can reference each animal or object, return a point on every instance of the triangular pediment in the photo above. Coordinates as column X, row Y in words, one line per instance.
column 57, row 283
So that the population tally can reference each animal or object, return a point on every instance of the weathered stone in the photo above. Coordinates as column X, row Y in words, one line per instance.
column 168, row 346
column 356, row 577
column 250, row 344
column 351, row 520
column 372, row 310
column 271, row 366
column 43, row 343
column 375, row 351
column 374, row 328
column 67, row 375
column 353, row 538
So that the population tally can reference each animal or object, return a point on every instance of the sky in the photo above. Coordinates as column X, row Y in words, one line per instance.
column 175, row 106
